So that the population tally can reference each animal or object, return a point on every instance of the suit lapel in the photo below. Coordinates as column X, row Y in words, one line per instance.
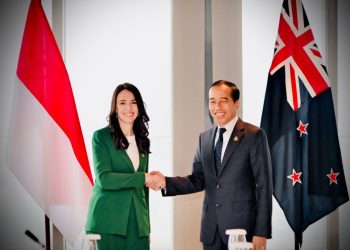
column 208, row 150
column 234, row 141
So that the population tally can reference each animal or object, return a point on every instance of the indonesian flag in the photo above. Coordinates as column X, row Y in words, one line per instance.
column 46, row 149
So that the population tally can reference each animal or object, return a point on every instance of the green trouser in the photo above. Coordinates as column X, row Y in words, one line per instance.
column 131, row 241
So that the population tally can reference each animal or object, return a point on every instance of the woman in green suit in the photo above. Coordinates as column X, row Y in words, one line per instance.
column 119, row 207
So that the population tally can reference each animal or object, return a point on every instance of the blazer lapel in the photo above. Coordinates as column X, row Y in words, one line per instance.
column 126, row 159
column 142, row 163
column 233, row 143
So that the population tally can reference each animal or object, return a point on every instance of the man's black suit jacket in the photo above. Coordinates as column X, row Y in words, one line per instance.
column 240, row 195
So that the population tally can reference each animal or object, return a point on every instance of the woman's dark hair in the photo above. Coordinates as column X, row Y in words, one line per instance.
column 234, row 88
column 140, row 126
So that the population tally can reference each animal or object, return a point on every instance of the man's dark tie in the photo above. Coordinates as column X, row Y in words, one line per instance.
column 218, row 150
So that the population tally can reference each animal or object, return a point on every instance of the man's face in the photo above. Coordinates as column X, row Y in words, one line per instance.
column 221, row 106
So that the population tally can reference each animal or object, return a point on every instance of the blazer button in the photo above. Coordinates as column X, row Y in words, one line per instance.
column 217, row 205
column 217, row 186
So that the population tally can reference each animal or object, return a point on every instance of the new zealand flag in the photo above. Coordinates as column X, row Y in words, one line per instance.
column 300, row 124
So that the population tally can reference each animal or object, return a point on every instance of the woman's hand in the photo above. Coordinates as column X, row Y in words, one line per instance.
column 155, row 180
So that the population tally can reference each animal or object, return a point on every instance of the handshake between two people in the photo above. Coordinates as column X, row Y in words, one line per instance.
column 155, row 180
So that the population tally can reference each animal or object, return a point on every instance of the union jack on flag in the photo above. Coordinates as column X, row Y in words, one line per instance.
column 299, row 121
column 297, row 52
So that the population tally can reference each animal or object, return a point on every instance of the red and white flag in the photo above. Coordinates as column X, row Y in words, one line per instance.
column 46, row 149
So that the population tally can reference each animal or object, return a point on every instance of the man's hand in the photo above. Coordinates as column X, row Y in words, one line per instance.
column 259, row 243
column 155, row 180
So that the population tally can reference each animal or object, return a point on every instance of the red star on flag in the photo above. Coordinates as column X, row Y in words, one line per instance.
column 295, row 177
column 332, row 177
column 302, row 128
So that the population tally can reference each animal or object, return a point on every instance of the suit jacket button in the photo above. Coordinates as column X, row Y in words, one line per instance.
column 217, row 186
column 217, row 205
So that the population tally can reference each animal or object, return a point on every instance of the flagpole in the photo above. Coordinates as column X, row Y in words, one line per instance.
column 208, row 61
column 47, row 233
column 296, row 242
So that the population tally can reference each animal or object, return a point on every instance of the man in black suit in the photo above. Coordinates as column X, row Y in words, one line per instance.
column 232, row 164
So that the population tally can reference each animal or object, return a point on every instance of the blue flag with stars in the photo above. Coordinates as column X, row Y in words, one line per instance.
column 299, row 120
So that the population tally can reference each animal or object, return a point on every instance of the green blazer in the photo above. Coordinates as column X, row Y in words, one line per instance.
column 117, row 189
